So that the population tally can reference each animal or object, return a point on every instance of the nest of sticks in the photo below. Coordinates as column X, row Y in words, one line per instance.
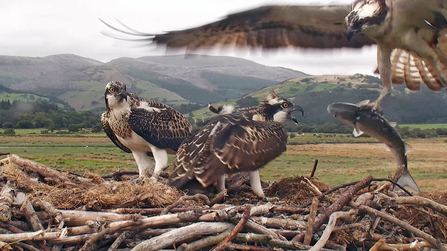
column 42, row 208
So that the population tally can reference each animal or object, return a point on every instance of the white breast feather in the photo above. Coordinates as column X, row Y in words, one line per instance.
column 280, row 116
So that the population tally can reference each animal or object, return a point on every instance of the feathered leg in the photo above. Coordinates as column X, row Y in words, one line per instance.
column 255, row 183
column 144, row 163
column 384, row 67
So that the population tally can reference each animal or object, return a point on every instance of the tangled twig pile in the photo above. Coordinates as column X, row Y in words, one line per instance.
column 45, row 209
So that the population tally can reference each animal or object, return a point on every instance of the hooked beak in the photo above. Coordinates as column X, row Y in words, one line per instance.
column 296, row 108
column 124, row 95
column 350, row 32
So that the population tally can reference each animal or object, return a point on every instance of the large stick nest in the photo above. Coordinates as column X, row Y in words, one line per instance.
column 99, row 213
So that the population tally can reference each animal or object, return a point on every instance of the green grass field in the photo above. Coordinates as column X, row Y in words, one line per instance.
column 342, row 158
column 424, row 126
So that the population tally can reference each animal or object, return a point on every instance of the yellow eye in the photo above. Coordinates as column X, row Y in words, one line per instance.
column 112, row 89
column 285, row 105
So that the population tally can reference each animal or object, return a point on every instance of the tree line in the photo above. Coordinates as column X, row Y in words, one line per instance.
column 44, row 114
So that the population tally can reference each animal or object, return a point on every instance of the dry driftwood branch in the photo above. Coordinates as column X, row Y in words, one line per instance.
column 43, row 170
column 381, row 245
column 420, row 202
column 315, row 189
column 31, row 216
column 204, row 242
column 124, row 235
column 91, row 244
column 344, row 198
column 218, row 198
column 267, row 240
column 54, row 214
column 235, row 231
column 310, row 188
column 181, row 234
column 430, row 239
column 196, row 197
column 330, row 227
column 314, row 168
column 280, row 223
column 261, row 209
column 310, row 222
column 6, row 199
column 254, row 227
column 232, row 246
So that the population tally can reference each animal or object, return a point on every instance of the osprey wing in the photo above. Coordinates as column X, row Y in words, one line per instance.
column 241, row 145
column 267, row 27
column 111, row 134
column 413, row 71
column 159, row 124
column 191, row 155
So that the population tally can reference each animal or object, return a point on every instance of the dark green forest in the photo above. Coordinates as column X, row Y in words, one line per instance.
column 43, row 114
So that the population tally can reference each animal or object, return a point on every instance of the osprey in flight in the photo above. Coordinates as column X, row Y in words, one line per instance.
column 143, row 127
column 236, row 142
column 416, row 28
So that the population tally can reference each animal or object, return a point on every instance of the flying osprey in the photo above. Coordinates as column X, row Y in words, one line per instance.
column 143, row 127
column 234, row 143
column 417, row 27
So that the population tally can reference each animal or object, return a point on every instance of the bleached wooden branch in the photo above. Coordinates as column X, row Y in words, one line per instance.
column 181, row 234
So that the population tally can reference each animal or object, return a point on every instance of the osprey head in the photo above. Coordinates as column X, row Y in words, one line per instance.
column 366, row 15
column 115, row 93
column 280, row 108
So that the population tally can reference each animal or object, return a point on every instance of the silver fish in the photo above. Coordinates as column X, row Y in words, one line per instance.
column 366, row 121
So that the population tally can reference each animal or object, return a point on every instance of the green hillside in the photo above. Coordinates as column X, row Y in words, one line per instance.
column 315, row 93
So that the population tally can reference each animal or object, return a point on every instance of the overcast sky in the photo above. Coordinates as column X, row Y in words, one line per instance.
column 38, row 28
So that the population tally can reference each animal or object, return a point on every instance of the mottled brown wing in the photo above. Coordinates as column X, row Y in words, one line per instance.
column 413, row 71
column 268, row 27
column 166, row 128
column 193, row 151
column 242, row 146
column 110, row 134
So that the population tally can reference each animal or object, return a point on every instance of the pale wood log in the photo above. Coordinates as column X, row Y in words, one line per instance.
column 261, row 209
column 310, row 221
column 6, row 199
column 430, row 239
column 124, row 235
column 5, row 246
column 31, row 216
column 267, row 240
column 381, row 245
column 43, row 170
column 204, row 242
column 417, row 201
column 235, row 231
column 233, row 246
column 181, row 234
column 255, row 227
column 341, row 201
column 330, row 227
column 280, row 223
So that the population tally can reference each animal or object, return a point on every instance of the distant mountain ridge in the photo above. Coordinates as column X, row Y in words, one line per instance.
column 80, row 81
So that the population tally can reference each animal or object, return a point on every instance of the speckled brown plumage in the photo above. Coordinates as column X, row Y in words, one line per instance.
column 229, row 143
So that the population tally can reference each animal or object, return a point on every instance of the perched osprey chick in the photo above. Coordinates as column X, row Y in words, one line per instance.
column 143, row 127
column 236, row 142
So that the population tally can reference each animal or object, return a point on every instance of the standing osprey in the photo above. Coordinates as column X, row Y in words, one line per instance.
column 234, row 143
column 417, row 27
column 143, row 127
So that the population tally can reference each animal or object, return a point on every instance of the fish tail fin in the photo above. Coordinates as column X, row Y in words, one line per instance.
column 407, row 180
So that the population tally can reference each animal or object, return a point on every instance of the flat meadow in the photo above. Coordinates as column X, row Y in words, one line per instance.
column 341, row 158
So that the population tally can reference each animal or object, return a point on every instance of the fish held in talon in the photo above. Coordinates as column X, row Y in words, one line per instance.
column 375, row 125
